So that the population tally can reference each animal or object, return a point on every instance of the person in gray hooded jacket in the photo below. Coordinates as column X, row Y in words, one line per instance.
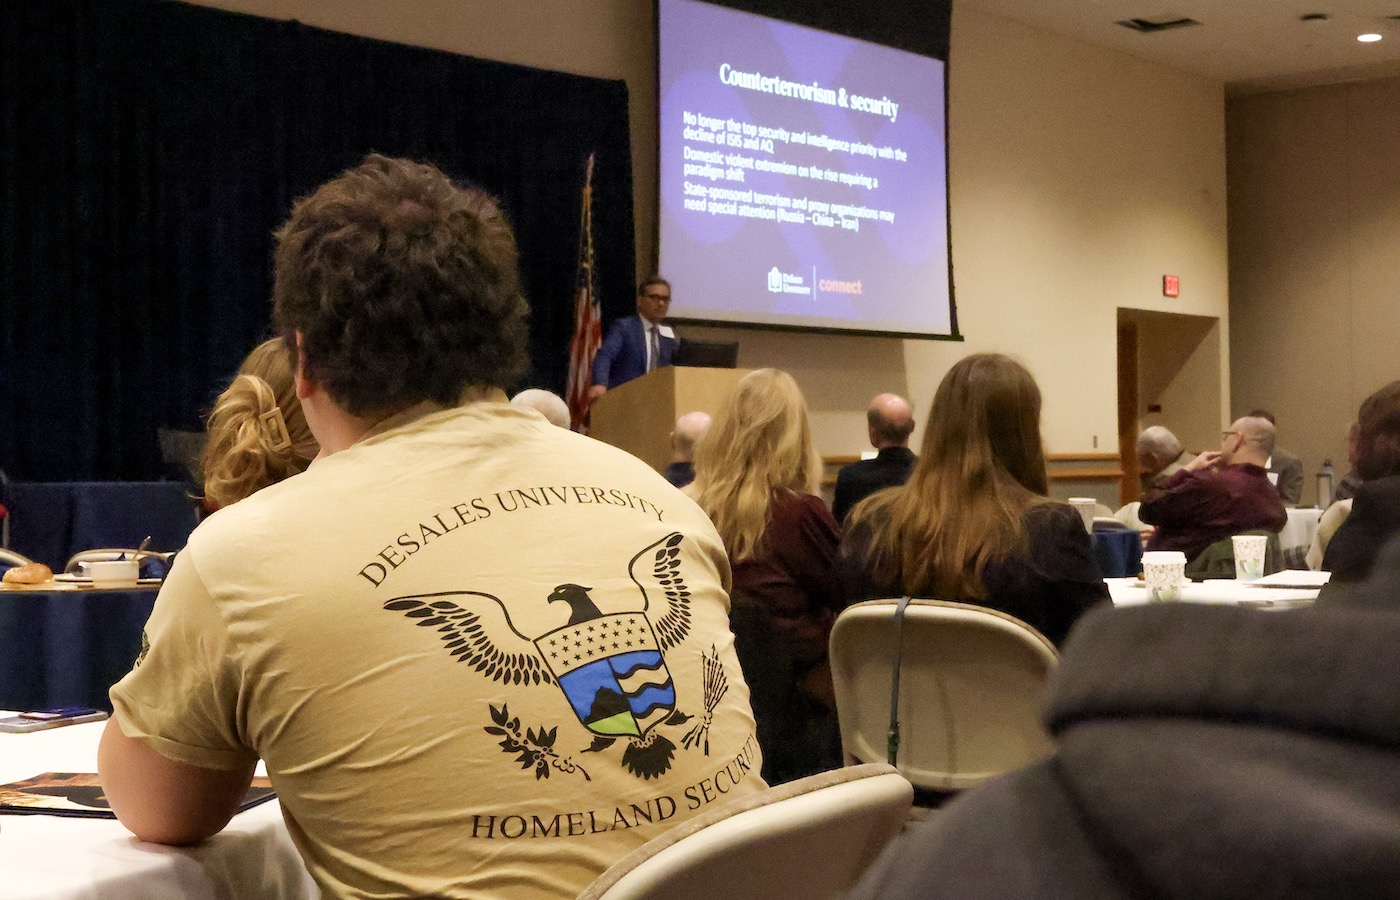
column 1203, row 752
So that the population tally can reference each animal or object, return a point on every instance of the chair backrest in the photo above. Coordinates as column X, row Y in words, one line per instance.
column 181, row 452
column 1217, row 560
column 809, row 838
column 11, row 558
column 970, row 684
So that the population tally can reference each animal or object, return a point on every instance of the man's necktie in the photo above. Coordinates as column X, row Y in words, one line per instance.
column 654, row 353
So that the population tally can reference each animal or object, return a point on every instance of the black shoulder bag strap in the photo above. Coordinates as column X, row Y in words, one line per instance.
column 892, row 751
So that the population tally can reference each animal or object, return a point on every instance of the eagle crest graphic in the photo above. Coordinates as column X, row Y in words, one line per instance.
column 611, row 666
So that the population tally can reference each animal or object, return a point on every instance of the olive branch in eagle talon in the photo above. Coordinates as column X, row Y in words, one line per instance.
column 610, row 666
column 535, row 748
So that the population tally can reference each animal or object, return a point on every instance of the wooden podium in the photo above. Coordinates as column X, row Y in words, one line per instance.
column 638, row 416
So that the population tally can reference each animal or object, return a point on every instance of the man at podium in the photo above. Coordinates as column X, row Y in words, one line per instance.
column 638, row 344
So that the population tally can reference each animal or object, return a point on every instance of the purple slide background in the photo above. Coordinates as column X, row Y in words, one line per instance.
column 719, row 265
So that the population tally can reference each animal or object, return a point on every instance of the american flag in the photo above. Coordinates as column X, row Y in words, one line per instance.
column 588, row 317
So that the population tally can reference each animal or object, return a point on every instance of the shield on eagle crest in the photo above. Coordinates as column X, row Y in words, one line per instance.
column 612, row 670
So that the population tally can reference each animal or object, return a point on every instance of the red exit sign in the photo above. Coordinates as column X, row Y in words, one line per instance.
column 1171, row 286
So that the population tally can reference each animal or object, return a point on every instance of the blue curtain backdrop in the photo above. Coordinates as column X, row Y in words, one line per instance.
column 149, row 149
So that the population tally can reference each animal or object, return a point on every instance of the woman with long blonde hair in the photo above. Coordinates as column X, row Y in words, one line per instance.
column 973, row 523
column 756, row 472
column 257, row 431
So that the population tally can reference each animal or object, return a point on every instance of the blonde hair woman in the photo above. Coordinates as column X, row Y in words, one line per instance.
column 755, row 476
column 257, row 432
column 973, row 522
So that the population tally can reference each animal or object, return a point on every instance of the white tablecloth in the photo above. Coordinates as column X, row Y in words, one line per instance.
column 56, row 858
column 1128, row 591
column 1296, row 536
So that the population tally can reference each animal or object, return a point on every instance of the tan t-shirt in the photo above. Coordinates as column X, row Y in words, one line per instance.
column 481, row 656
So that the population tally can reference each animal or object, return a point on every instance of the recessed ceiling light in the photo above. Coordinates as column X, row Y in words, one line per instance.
column 1368, row 38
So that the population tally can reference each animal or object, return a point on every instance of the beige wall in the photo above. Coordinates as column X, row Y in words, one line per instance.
column 1178, row 363
column 1315, row 222
column 1079, row 177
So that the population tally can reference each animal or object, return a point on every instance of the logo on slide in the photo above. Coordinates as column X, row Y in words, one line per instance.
column 784, row 283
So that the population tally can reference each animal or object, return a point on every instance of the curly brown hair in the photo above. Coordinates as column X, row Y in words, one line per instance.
column 403, row 287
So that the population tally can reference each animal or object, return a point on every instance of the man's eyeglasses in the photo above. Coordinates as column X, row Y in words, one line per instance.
column 663, row 297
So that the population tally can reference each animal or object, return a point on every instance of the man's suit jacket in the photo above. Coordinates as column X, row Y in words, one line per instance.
column 1289, row 470
column 859, row 480
column 623, row 355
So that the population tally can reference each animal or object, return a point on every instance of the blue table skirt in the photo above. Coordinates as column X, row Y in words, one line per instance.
column 65, row 648
column 1119, row 553
column 50, row 521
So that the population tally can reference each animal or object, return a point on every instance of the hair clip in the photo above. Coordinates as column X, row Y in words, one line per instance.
column 276, row 427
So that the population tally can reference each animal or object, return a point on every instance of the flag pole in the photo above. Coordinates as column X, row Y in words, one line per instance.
column 587, row 335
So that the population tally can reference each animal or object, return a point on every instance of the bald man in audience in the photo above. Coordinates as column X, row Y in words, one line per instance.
column 1217, row 494
column 690, row 428
column 1159, row 455
column 890, row 420
column 546, row 403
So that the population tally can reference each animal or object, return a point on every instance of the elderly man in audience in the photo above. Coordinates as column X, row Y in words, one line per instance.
column 1285, row 470
column 690, row 428
column 480, row 655
column 1217, row 494
column 1159, row 455
column 890, row 420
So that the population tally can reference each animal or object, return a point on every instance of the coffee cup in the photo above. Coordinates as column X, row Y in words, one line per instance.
column 1249, row 556
column 1163, row 571
column 113, row 573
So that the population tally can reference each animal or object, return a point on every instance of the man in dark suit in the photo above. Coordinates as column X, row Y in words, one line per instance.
column 636, row 345
column 891, row 421
column 1285, row 470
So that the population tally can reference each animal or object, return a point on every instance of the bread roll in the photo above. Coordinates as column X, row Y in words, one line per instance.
column 33, row 573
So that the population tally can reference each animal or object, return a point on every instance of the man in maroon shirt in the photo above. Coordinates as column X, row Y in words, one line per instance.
column 1217, row 494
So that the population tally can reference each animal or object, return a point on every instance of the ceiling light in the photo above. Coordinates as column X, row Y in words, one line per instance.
column 1368, row 38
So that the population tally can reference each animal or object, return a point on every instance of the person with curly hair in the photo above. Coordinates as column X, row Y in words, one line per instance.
column 479, row 655
column 257, row 432
column 756, row 475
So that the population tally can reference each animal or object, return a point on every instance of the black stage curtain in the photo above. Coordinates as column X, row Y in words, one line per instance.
column 151, row 148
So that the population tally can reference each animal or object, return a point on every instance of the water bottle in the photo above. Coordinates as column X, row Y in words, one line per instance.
column 1326, row 480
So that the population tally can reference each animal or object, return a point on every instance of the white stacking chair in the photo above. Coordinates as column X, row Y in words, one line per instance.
column 11, row 558
column 947, row 692
column 811, row 838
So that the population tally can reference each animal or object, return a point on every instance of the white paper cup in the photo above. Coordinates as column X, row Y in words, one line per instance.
column 1249, row 556
column 1086, row 507
column 1164, row 571
column 112, row 573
